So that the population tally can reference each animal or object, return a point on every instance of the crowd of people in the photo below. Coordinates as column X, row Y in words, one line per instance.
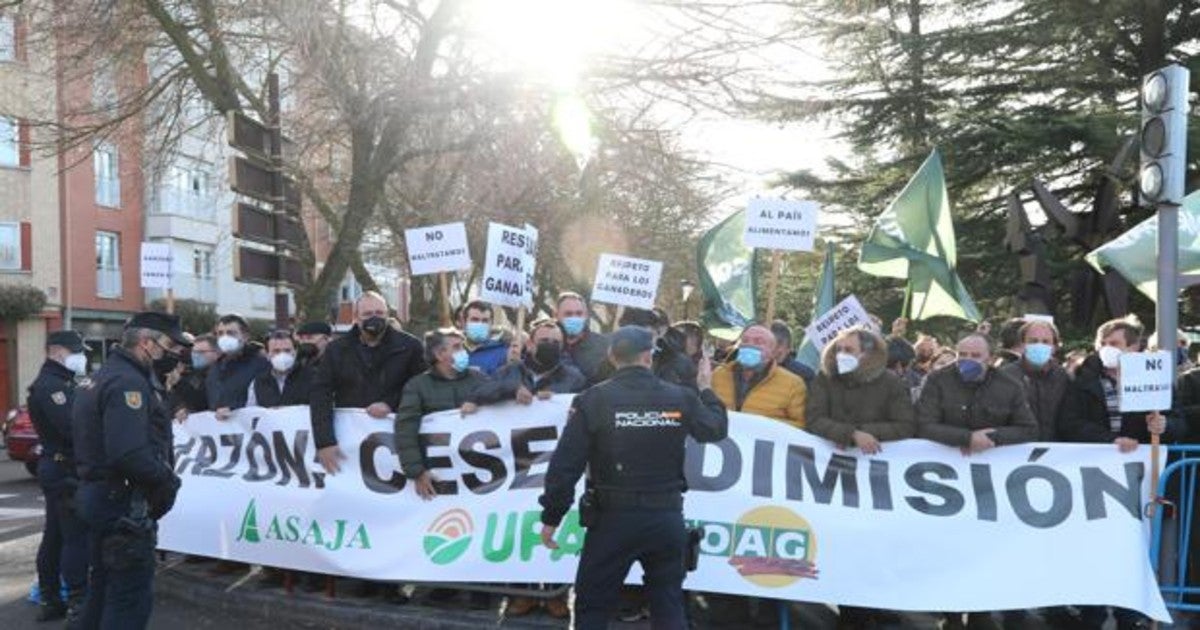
column 868, row 390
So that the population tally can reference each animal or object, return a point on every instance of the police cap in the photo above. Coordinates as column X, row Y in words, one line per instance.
column 630, row 341
column 68, row 339
column 161, row 322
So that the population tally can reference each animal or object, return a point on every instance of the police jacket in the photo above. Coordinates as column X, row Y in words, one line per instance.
column 629, row 431
column 1085, row 418
column 950, row 409
column 352, row 374
column 50, row 398
column 424, row 394
column 295, row 389
column 563, row 379
column 229, row 379
column 121, row 427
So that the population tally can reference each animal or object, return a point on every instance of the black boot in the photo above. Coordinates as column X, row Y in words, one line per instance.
column 75, row 610
column 51, row 609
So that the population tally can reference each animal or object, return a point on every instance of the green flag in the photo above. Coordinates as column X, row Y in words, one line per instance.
column 726, row 272
column 1134, row 254
column 823, row 300
column 914, row 239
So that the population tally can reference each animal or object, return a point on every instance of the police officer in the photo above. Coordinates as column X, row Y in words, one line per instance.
column 629, row 432
column 122, row 431
column 63, row 551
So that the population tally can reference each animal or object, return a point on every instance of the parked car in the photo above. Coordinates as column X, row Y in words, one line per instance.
column 20, row 439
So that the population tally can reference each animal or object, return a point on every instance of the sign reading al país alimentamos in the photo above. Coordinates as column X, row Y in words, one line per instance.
column 437, row 248
column 625, row 281
column 781, row 224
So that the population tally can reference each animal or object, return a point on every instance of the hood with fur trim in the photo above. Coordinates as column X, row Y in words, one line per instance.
column 870, row 366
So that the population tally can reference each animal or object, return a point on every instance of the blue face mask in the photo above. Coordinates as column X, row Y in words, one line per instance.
column 478, row 332
column 199, row 361
column 1038, row 354
column 970, row 370
column 573, row 326
column 462, row 360
column 749, row 357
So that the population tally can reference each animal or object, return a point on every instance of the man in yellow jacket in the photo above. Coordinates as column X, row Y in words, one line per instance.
column 753, row 383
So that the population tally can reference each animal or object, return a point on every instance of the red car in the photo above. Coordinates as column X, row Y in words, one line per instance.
column 20, row 440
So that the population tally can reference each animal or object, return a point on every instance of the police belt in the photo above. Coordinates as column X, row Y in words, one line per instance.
column 632, row 499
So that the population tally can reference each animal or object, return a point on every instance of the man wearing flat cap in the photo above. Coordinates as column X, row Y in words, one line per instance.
column 629, row 433
column 62, row 554
column 122, row 431
column 311, row 339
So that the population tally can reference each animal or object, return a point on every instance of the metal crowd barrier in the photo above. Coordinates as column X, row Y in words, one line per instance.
column 1175, row 527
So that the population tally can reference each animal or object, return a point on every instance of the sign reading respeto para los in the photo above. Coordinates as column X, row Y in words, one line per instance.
column 625, row 281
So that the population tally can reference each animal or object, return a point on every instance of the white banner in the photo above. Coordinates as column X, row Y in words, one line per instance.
column 781, row 224
column 1147, row 379
column 626, row 281
column 156, row 265
column 786, row 515
column 504, row 278
column 437, row 248
column 848, row 313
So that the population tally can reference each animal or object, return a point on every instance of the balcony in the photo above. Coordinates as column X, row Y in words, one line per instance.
column 187, row 287
column 108, row 283
column 188, row 204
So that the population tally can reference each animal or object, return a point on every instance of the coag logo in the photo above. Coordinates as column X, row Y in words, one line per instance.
column 771, row 547
column 449, row 536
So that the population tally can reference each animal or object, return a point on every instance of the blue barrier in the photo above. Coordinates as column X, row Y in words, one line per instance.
column 1182, row 472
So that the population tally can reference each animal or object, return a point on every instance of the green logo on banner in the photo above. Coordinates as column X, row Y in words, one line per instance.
column 449, row 537
column 293, row 529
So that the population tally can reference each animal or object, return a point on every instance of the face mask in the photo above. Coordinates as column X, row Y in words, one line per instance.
column 1038, row 353
column 229, row 344
column 1110, row 357
column 462, row 360
column 548, row 354
column 846, row 363
column 478, row 332
column 164, row 364
column 76, row 362
column 749, row 357
column 283, row 361
column 573, row 325
column 199, row 361
column 970, row 370
column 374, row 325
column 307, row 351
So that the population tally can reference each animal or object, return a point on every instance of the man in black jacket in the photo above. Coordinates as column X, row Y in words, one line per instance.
column 189, row 395
column 241, row 362
column 368, row 368
column 287, row 383
column 542, row 373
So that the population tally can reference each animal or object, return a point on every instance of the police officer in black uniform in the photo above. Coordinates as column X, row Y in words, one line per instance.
column 62, row 554
column 629, row 432
column 122, row 431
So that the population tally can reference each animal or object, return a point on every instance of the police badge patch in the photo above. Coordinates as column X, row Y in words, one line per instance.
column 59, row 398
column 133, row 400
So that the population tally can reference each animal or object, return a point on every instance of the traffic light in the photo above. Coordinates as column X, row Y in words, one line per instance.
column 1164, row 135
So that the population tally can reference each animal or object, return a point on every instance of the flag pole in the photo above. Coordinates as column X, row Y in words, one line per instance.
column 773, row 285
column 444, row 291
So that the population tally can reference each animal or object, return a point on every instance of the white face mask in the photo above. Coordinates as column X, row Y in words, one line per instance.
column 846, row 363
column 229, row 344
column 77, row 363
column 1110, row 357
column 283, row 361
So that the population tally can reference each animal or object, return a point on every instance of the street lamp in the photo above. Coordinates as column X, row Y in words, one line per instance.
column 687, row 287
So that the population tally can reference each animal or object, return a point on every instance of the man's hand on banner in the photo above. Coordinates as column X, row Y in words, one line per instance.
column 545, row 394
column 424, row 485
column 981, row 441
column 1156, row 423
column 223, row 413
column 379, row 410
column 329, row 457
column 867, row 443
column 1126, row 445
column 524, row 396
column 468, row 408
column 181, row 415
column 548, row 536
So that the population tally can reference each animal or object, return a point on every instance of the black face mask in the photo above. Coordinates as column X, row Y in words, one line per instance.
column 374, row 326
column 306, row 351
column 547, row 354
column 164, row 364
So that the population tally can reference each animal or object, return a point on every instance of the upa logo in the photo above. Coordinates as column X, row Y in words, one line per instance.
column 449, row 536
column 770, row 547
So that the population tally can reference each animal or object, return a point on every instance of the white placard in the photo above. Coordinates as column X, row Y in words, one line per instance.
column 625, row 281
column 531, row 250
column 156, row 266
column 1146, row 381
column 504, row 278
column 849, row 312
column 437, row 248
column 781, row 224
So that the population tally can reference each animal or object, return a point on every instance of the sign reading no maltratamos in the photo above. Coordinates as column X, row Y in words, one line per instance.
column 156, row 266
column 1146, row 381
column 437, row 248
column 624, row 281
column 848, row 313
column 504, row 277
column 781, row 224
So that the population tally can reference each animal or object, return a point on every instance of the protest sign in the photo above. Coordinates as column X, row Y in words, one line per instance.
column 437, row 248
column 847, row 313
column 626, row 281
column 1146, row 381
column 156, row 266
column 781, row 224
column 504, row 278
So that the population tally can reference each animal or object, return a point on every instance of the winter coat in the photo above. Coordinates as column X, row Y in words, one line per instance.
column 588, row 353
column 489, row 356
column 949, row 409
column 427, row 393
column 872, row 399
column 228, row 380
column 1187, row 397
column 1084, row 416
column 777, row 393
column 1045, row 389
column 563, row 379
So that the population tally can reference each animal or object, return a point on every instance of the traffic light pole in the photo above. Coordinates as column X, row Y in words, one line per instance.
column 1167, row 310
column 278, row 203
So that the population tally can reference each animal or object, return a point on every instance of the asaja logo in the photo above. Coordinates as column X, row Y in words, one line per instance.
column 449, row 536
column 771, row 547
column 294, row 529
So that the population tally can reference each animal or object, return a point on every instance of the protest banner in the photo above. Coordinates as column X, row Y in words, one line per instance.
column 786, row 515
column 625, row 281
column 846, row 314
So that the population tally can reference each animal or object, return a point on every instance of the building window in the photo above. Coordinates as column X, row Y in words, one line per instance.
column 10, row 246
column 108, row 179
column 186, row 192
column 202, row 263
column 10, row 154
column 8, row 38
column 108, row 265
column 104, row 85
